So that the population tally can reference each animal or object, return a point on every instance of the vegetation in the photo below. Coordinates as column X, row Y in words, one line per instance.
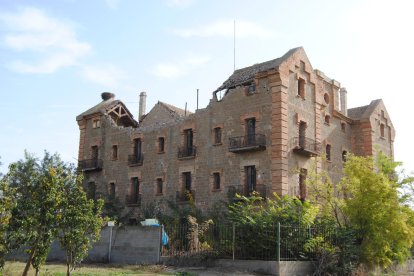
column 41, row 197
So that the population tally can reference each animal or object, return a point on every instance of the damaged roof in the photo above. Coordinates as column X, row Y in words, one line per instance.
column 110, row 105
column 247, row 74
column 175, row 110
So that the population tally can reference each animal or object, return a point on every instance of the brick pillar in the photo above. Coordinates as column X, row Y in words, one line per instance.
column 279, row 135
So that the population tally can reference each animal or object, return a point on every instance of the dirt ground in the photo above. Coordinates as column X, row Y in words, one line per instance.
column 210, row 271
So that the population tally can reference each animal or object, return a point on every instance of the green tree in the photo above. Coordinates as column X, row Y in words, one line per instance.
column 38, row 192
column 6, row 206
column 373, row 207
column 81, row 223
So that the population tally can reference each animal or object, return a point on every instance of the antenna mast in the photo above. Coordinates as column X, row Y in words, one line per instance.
column 234, row 45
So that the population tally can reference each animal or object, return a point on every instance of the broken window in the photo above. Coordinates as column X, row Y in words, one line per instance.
column 344, row 155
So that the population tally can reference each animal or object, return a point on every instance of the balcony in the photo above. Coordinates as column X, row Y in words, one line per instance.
column 184, row 196
column 306, row 147
column 247, row 143
column 242, row 190
column 133, row 200
column 186, row 152
column 135, row 160
column 90, row 165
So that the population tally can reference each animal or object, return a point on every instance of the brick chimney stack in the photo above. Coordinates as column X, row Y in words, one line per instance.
column 142, row 105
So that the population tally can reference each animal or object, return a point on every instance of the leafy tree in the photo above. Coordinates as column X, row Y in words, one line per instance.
column 383, row 225
column 6, row 205
column 81, row 223
column 38, row 192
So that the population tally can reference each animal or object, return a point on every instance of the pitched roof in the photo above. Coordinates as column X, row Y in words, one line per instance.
column 247, row 74
column 101, row 107
column 365, row 111
column 175, row 110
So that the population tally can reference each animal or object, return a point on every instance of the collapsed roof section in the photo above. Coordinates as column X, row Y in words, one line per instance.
column 114, row 108
column 246, row 75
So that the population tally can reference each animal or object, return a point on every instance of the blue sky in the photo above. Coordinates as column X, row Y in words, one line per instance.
column 56, row 57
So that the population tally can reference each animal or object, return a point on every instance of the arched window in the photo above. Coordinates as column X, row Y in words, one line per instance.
column 326, row 98
column 328, row 152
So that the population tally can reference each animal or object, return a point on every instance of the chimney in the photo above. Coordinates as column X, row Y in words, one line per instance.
column 344, row 107
column 142, row 104
column 107, row 95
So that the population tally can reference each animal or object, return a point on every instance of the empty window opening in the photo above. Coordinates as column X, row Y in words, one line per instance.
column 161, row 142
column 137, row 148
column 111, row 191
column 216, row 181
column 114, row 152
column 217, row 135
column 382, row 130
column 134, row 191
column 187, row 181
column 302, row 134
column 302, row 184
column 91, row 190
column 328, row 152
column 159, row 186
column 327, row 119
column 301, row 88
column 251, row 88
column 343, row 127
column 344, row 155
column 96, row 123
column 251, row 131
column 250, row 174
column 326, row 98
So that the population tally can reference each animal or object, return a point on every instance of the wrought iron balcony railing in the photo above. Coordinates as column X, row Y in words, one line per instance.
column 184, row 152
column 243, row 190
column 135, row 160
column 184, row 196
column 247, row 143
column 90, row 164
column 134, row 200
column 306, row 146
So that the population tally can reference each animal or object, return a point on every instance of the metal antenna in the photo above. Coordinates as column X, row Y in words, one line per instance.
column 234, row 45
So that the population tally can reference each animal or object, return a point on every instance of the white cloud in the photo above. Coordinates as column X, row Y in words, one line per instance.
column 225, row 28
column 179, row 3
column 105, row 74
column 53, row 43
column 181, row 68
column 112, row 4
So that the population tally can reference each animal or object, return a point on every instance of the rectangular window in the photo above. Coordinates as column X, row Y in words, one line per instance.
column 301, row 88
column 159, row 186
column 302, row 134
column 137, row 148
column 91, row 190
column 250, row 174
column 96, row 123
column 382, row 130
column 161, row 141
column 217, row 135
column 302, row 185
column 114, row 152
column 95, row 153
column 187, row 181
column 188, row 136
column 328, row 152
column 216, row 181
column 251, row 131
column 111, row 191
column 134, row 191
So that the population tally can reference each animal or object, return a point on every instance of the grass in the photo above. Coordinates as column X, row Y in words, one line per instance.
column 57, row 269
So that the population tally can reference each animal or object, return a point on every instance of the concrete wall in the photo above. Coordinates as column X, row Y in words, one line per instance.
column 130, row 245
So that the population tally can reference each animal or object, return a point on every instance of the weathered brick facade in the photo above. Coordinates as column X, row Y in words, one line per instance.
column 260, row 135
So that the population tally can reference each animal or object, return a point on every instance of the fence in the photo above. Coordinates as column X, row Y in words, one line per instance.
column 244, row 242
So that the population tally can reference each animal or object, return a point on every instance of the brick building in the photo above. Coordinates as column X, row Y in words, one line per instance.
column 259, row 132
